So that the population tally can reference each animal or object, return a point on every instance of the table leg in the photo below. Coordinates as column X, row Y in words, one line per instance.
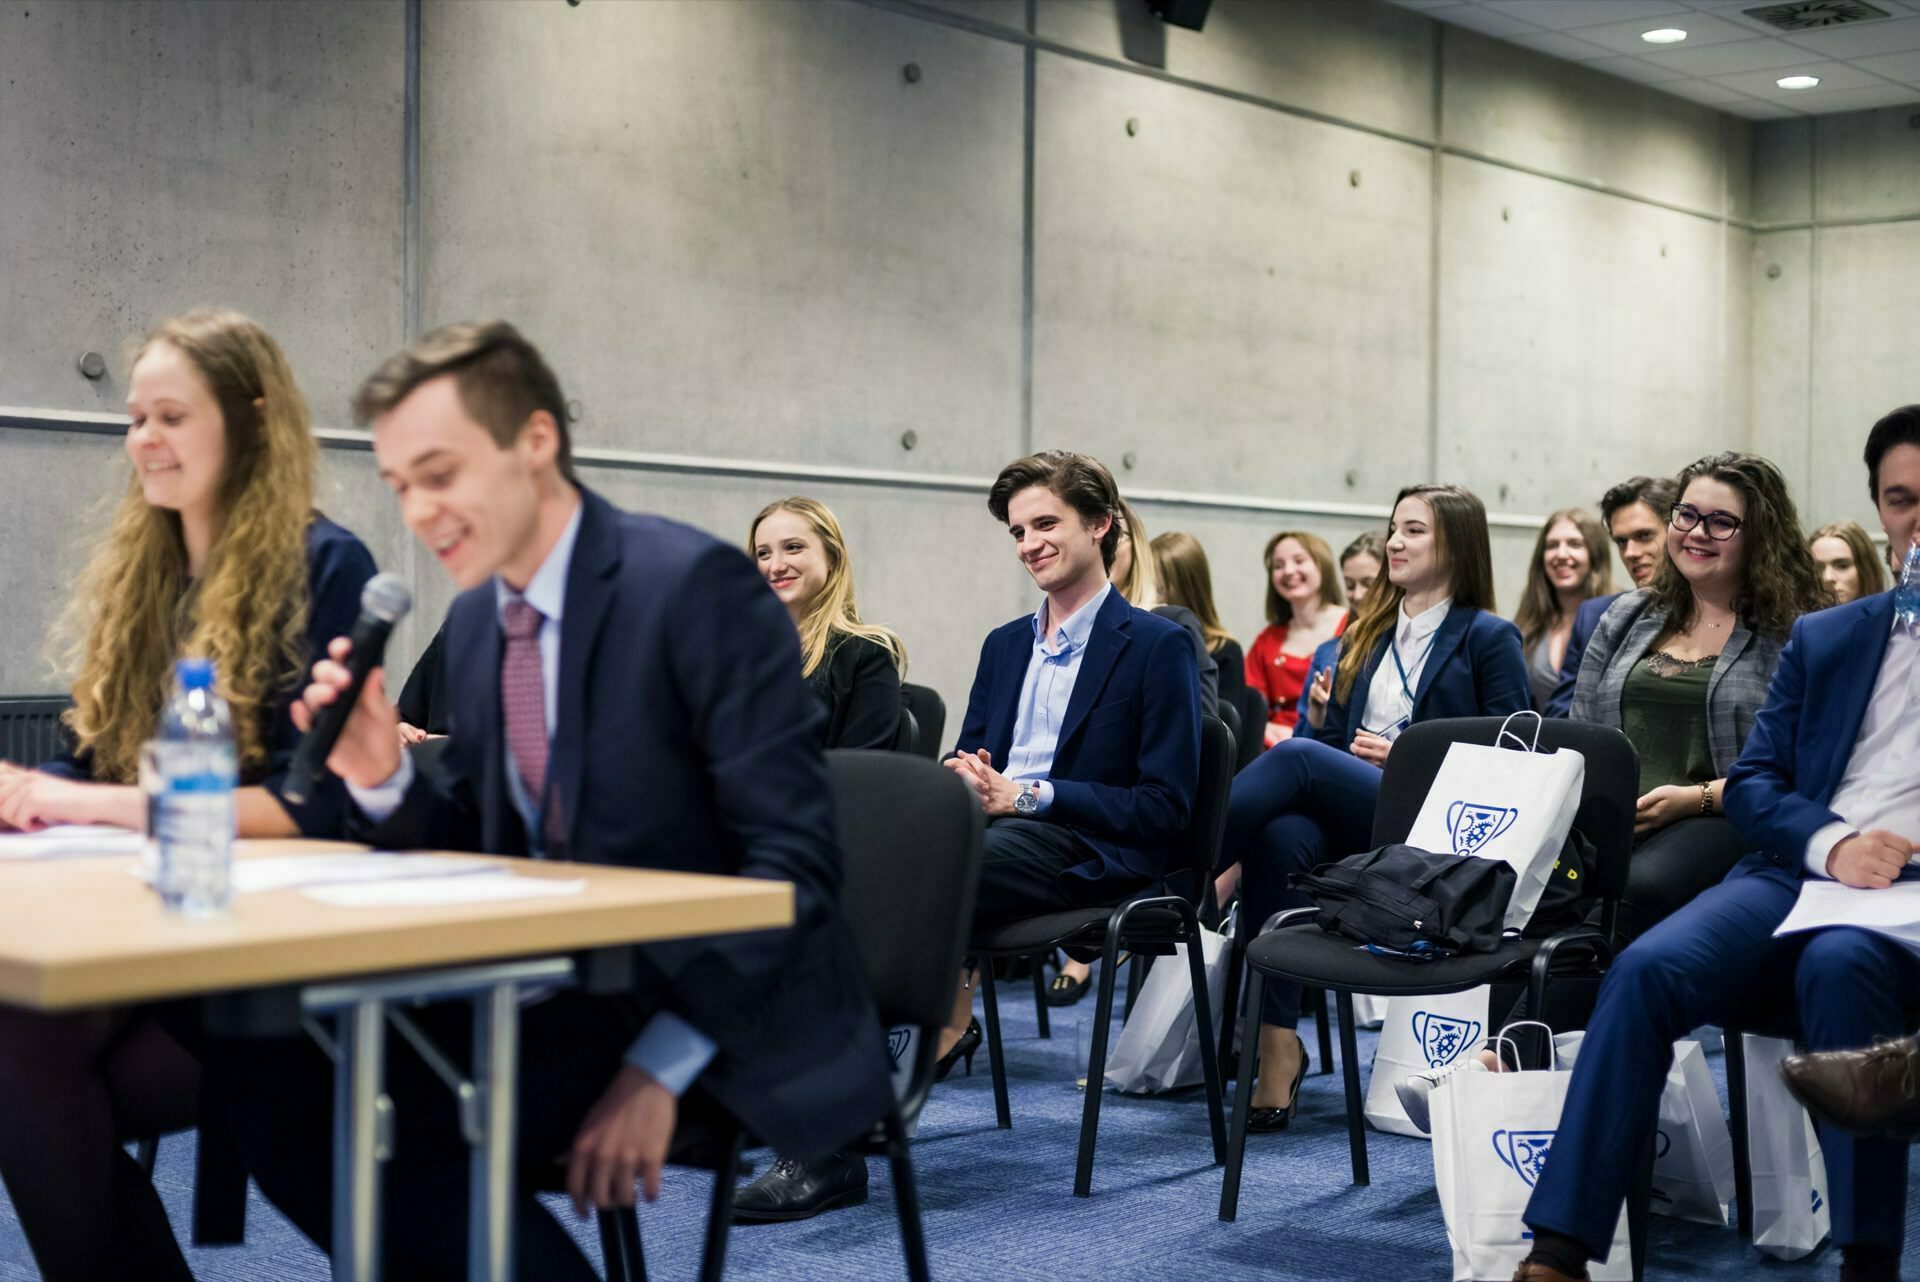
column 490, row 1181
column 361, row 1141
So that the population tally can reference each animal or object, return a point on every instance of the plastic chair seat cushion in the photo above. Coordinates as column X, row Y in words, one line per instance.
column 1309, row 955
column 1037, row 934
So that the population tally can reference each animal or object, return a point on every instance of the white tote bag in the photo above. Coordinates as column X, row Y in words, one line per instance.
column 1159, row 1046
column 1790, row 1212
column 1492, row 1133
column 1692, row 1149
column 1369, row 1012
column 1512, row 804
column 1417, row 1034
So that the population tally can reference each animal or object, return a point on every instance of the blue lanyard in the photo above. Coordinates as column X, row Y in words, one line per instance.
column 1393, row 648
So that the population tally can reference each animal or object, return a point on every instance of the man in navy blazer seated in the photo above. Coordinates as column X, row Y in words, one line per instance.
column 1828, row 787
column 1082, row 732
column 625, row 690
column 1635, row 513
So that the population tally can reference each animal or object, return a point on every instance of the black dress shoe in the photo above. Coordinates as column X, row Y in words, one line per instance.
column 1268, row 1120
column 1066, row 990
column 1872, row 1092
column 963, row 1049
column 793, row 1190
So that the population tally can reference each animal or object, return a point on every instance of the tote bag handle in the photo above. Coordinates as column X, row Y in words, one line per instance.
column 1539, row 724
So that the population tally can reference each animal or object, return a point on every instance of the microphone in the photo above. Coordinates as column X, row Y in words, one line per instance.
column 383, row 602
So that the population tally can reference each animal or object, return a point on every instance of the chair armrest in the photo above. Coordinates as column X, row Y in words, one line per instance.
column 1578, row 939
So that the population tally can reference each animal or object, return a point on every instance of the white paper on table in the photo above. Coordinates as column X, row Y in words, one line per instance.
column 1894, row 912
column 420, row 892
column 63, row 841
column 291, row 872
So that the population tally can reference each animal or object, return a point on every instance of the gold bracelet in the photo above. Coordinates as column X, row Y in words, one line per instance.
column 1706, row 798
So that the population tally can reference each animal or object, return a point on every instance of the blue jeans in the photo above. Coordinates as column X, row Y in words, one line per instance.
column 1716, row 960
column 1299, row 804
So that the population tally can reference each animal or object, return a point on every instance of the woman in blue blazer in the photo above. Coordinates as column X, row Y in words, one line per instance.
column 1425, row 644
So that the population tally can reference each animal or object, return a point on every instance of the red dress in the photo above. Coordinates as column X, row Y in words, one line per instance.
column 1280, row 678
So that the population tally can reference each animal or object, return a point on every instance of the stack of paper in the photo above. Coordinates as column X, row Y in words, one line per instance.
column 65, row 841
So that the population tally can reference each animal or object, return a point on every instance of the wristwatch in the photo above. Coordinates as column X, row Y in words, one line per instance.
column 1027, row 801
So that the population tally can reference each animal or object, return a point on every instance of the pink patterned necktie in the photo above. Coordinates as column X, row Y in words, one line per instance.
column 523, row 702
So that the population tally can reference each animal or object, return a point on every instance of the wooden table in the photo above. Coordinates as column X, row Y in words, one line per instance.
column 77, row 932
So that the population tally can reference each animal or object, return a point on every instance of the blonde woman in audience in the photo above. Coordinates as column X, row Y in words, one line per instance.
column 214, row 551
column 854, row 667
column 1187, row 581
column 1850, row 566
column 1570, row 565
column 1306, row 608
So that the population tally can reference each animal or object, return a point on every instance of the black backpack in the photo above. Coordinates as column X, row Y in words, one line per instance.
column 1413, row 901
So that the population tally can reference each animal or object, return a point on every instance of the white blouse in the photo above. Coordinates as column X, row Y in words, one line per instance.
column 1389, row 706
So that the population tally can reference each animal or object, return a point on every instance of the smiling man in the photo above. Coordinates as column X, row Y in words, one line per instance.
column 1082, row 732
column 625, row 690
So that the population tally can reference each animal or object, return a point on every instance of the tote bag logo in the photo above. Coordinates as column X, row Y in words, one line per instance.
column 1443, row 1037
column 1474, row 826
column 897, row 1043
column 1524, row 1151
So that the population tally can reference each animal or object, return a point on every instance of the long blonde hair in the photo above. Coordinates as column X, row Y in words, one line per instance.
column 1539, row 602
column 1869, row 562
column 833, row 611
column 1142, row 586
column 1187, row 579
column 135, row 611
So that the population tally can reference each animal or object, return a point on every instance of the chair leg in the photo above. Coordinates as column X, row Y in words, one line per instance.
column 1356, row 1106
column 906, row 1198
column 1136, row 975
column 1203, row 1020
column 996, row 1057
column 1640, row 1207
column 1737, row 1124
column 1230, row 1000
column 1324, row 1023
column 713, row 1260
column 1096, row 1068
column 620, row 1251
column 1040, row 1014
column 1242, row 1099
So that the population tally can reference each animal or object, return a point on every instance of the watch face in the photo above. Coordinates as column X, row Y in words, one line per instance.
column 1025, row 803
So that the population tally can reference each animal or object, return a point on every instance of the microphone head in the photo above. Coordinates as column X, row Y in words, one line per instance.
column 386, row 597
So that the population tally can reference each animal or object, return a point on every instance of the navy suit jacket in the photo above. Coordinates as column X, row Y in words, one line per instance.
column 687, row 741
column 1781, row 790
column 1475, row 669
column 1585, row 620
column 1128, row 761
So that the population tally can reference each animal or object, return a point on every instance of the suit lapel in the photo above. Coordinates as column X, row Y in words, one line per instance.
column 474, row 648
column 590, row 592
column 1104, row 646
column 1452, row 634
column 1860, row 659
column 1015, row 656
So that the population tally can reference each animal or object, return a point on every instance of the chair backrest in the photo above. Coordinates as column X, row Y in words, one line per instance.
column 906, row 736
column 911, row 834
column 1231, row 715
column 1190, row 865
column 1251, row 738
column 1607, row 798
column 931, row 712
column 30, row 729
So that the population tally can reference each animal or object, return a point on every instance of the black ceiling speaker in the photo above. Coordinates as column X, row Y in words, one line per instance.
column 1191, row 14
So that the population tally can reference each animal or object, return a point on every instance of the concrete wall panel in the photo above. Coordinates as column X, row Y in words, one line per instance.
column 1783, row 171
column 165, row 156
column 56, row 491
column 748, row 235
column 1862, row 356
column 1002, row 13
column 1214, row 295
column 1371, row 64
column 1580, row 338
column 1868, row 165
column 1781, row 326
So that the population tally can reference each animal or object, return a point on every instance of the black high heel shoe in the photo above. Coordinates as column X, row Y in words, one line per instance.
column 1265, row 1120
column 963, row 1049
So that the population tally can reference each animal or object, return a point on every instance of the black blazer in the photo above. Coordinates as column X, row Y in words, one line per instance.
column 687, row 741
column 860, row 689
column 423, row 700
column 1232, row 662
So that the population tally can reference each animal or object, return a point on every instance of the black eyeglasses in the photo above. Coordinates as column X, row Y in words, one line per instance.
column 1721, row 526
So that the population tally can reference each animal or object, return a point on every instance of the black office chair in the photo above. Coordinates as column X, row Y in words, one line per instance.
column 1231, row 716
column 909, row 872
column 930, row 711
column 906, row 736
column 1148, row 925
column 30, row 729
column 1253, row 715
column 1299, row 951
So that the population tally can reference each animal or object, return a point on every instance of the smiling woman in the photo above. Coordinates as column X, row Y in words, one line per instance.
column 1570, row 565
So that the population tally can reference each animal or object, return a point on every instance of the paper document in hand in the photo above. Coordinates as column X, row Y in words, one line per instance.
column 1894, row 912
column 64, row 841
column 426, row 892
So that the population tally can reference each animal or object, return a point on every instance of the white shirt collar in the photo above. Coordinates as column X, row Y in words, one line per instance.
column 1073, row 633
column 547, row 589
column 1424, row 624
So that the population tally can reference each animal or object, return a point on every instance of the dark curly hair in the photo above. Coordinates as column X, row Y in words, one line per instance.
column 1779, row 580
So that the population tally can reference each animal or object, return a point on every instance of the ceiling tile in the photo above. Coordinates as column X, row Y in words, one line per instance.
column 1560, row 45
column 1894, row 66
column 1886, row 35
column 1558, row 15
column 1647, row 73
column 1624, row 37
column 1725, row 60
column 1818, row 100
column 1833, row 75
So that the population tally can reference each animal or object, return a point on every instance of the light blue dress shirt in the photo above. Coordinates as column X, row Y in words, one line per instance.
column 1045, row 694
column 669, row 1049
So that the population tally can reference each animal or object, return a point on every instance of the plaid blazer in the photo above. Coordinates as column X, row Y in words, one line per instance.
column 1735, row 691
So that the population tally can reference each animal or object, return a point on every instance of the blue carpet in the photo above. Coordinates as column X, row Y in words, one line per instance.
column 999, row 1205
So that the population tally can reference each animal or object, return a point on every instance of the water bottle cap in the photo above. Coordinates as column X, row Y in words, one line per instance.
column 194, row 674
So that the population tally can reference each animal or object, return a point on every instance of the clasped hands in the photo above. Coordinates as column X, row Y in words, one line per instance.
column 995, row 790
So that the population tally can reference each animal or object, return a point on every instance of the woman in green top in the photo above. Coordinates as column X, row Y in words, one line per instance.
column 1682, row 667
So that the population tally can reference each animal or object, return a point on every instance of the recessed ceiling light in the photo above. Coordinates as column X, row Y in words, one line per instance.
column 1664, row 36
column 1797, row 82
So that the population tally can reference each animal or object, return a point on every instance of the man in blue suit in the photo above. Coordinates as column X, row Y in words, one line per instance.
column 1082, row 732
column 1828, row 787
column 624, row 690
column 1636, row 513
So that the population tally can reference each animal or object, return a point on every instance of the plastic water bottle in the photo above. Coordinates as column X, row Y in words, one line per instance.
column 195, row 815
column 1906, row 597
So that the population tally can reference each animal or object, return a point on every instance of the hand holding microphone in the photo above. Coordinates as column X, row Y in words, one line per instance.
column 349, row 726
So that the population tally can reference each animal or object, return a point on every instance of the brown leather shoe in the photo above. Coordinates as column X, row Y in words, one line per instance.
column 1534, row 1271
column 1872, row 1092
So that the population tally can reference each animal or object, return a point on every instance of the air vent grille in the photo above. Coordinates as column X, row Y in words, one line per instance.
column 1815, row 15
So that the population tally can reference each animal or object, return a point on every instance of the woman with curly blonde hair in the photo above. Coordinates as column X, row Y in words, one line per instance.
column 215, row 551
